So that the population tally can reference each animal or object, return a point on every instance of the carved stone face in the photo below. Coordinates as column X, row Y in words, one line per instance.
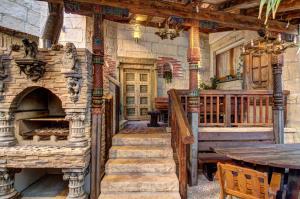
column 70, row 48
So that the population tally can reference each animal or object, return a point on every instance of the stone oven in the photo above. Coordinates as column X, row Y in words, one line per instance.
column 45, row 111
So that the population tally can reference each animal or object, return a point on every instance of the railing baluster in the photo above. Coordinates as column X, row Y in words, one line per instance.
column 218, row 109
column 235, row 110
column 260, row 109
column 199, row 102
column 248, row 109
column 254, row 109
column 205, row 113
column 242, row 110
column 211, row 109
column 267, row 110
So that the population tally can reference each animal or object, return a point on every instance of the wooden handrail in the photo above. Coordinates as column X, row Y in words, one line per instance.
column 233, row 92
column 184, row 127
column 181, row 136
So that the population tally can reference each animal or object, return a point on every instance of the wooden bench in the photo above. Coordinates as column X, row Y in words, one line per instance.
column 213, row 137
column 162, row 105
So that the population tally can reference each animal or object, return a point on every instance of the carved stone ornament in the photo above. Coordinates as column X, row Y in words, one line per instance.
column 76, row 183
column 7, row 178
column 4, row 63
column 71, row 70
column 32, row 67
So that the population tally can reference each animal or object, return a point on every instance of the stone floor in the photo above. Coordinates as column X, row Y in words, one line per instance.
column 204, row 190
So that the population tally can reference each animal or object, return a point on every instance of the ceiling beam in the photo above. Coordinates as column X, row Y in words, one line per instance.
column 239, row 5
column 165, row 9
column 289, row 5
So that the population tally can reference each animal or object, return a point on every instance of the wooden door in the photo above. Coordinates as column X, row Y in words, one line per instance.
column 137, row 94
column 259, row 72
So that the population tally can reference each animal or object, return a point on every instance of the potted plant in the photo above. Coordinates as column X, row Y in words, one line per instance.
column 167, row 75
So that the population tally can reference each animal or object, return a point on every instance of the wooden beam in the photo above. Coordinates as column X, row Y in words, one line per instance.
column 53, row 25
column 289, row 5
column 240, row 4
column 165, row 9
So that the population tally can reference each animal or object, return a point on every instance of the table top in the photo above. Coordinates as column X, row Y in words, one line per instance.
column 274, row 155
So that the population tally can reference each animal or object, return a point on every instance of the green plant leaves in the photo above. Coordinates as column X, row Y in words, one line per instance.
column 272, row 7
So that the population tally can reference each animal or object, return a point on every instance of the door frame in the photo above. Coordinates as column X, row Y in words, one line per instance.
column 138, row 63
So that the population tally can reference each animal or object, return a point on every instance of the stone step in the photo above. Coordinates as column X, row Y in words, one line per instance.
column 153, row 139
column 142, row 195
column 150, row 166
column 139, row 183
column 140, row 152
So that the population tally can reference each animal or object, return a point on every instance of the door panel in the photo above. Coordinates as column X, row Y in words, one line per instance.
column 137, row 94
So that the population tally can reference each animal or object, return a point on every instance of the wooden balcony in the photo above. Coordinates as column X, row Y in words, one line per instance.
column 233, row 108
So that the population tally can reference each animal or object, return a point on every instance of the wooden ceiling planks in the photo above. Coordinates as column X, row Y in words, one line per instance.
column 166, row 9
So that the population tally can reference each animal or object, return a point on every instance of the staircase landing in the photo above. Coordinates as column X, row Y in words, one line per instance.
column 141, row 165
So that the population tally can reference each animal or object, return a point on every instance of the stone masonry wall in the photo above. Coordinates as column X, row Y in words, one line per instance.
column 22, row 15
column 151, row 46
column 74, row 30
column 119, row 42
column 291, row 82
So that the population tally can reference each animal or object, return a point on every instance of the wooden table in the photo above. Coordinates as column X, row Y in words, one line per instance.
column 277, row 156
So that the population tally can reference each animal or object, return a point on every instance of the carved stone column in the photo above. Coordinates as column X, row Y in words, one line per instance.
column 7, row 134
column 278, row 97
column 76, row 183
column 193, row 59
column 7, row 178
column 77, row 137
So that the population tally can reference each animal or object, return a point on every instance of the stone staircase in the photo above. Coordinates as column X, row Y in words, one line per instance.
column 141, row 166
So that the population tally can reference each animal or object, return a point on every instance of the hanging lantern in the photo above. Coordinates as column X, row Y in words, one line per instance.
column 137, row 33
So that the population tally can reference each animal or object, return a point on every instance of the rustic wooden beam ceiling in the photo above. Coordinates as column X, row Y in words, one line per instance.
column 54, row 23
column 237, row 5
column 289, row 5
column 165, row 9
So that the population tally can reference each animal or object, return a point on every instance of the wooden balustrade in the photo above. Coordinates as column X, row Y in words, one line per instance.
column 182, row 136
column 230, row 108
column 101, row 143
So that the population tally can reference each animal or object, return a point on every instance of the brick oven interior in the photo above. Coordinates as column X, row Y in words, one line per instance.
column 40, row 116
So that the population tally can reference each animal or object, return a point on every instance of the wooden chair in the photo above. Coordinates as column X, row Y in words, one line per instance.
column 246, row 183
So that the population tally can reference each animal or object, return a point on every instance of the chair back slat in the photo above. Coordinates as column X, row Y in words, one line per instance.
column 242, row 182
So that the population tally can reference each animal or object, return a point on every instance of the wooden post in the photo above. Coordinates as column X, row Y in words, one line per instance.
column 193, row 115
column 278, row 102
column 98, row 60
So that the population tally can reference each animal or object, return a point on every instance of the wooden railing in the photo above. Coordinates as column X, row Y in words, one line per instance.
column 182, row 136
column 101, row 143
column 232, row 108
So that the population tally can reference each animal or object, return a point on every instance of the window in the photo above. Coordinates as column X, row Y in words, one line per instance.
column 227, row 63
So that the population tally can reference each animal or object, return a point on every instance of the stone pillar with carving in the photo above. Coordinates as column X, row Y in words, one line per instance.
column 278, row 98
column 76, row 183
column 7, row 178
column 77, row 137
column 193, row 116
column 7, row 134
